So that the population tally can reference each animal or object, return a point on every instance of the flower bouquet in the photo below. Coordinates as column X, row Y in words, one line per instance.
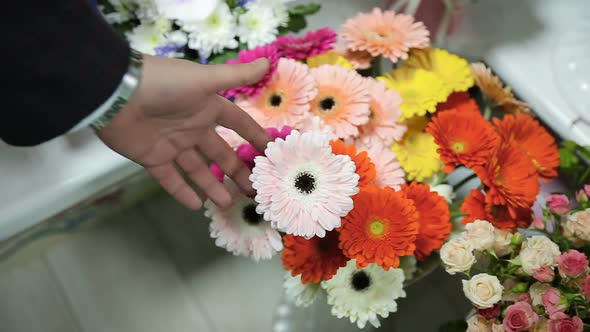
column 207, row 31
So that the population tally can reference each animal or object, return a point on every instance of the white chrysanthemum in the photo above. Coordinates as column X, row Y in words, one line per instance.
column 408, row 265
column 279, row 8
column 155, row 38
column 147, row 10
column 187, row 10
column 304, row 294
column 214, row 33
column 303, row 188
column 258, row 26
column 364, row 294
column 241, row 230
column 124, row 11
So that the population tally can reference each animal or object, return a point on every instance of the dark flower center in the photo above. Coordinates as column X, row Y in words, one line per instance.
column 327, row 104
column 276, row 100
column 361, row 281
column 250, row 215
column 305, row 183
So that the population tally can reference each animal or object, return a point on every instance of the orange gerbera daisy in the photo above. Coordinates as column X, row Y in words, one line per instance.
column 511, row 178
column 476, row 208
column 315, row 259
column 365, row 168
column 463, row 137
column 382, row 227
column 538, row 144
column 458, row 100
column 435, row 218
column 491, row 86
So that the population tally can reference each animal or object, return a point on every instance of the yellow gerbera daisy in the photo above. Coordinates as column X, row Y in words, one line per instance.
column 453, row 70
column 329, row 58
column 420, row 90
column 417, row 155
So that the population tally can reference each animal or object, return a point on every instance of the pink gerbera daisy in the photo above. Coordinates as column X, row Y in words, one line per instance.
column 285, row 100
column 383, row 127
column 342, row 101
column 388, row 169
column 384, row 33
column 303, row 188
column 269, row 52
column 314, row 43
column 240, row 229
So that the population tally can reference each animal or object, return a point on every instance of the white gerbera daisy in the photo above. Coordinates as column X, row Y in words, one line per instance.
column 364, row 294
column 258, row 26
column 214, row 33
column 241, row 230
column 304, row 294
column 302, row 187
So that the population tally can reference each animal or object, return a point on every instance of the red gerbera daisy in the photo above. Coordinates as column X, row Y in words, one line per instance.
column 476, row 208
column 459, row 100
column 315, row 259
column 538, row 144
column 382, row 227
column 463, row 137
column 364, row 166
column 434, row 218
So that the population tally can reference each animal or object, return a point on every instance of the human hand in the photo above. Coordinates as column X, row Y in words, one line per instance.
column 170, row 120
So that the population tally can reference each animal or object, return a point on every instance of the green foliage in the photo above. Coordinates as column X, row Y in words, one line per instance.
column 574, row 162
column 454, row 326
column 305, row 10
column 223, row 57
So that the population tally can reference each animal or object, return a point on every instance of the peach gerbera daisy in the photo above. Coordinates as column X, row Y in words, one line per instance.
column 364, row 166
column 434, row 218
column 384, row 33
column 388, row 171
column 358, row 59
column 463, row 137
column 382, row 227
column 316, row 259
column 383, row 127
column 538, row 144
column 342, row 101
column 511, row 178
column 492, row 87
column 285, row 100
column 476, row 208
column 453, row 70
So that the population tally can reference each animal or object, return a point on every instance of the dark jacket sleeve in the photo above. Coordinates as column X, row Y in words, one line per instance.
column 60, row 62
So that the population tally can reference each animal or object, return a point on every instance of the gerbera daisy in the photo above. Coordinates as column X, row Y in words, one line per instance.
column 269, row 52
column 240, row 229
column 302, row 187
column 388, row 171
column 359, row 59
column 476, row 208
column 463, row 137
column 313, row 43
column 381, row 228
column 492, row 87
column 458, row 100
column 538, row 144
column 329, row 58
column 342, row 100
column 434, row 218
column 420, row 90
column 230, row 137
column 384, row 33
column 285, row 100
column 454, row 71
column 304, row 294
column 418, row 156
column 315, row 259
column 364, row 294
column 511, row 178
column 364, row 166
column 257, row 26
column 383, row 127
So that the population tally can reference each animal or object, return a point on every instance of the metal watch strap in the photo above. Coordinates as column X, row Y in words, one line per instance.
column 128, row 85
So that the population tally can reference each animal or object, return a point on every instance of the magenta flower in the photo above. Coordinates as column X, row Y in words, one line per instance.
column 270, row 52
column 314, row 43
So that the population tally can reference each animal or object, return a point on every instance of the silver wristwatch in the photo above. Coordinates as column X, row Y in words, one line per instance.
column 127, row 87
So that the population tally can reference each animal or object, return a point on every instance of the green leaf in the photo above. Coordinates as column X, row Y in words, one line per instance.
column 232, row 3
column 515, row 261
column 223, row 57
column 296, row 23
column 569, row 145
column 585, row 152
column 568, row 159
column 304, row 10
column 454, row 326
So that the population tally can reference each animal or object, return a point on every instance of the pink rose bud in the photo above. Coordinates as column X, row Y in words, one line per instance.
column 492, row 312
column 538, row 223
column 275, row 133
column 217, row 172
column 586, row 288
column 520, row 317
column 247, row 152
column 587, row 189
column 544, row 274
column 572, row 264
column 554, row 302
column 561, row 322
column 559, row 204
column 581, row 196
column 526, row 297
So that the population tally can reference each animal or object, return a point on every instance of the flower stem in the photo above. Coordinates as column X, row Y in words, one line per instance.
column 487, row 112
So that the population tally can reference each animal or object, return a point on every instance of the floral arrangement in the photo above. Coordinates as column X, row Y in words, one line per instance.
column 207, row 31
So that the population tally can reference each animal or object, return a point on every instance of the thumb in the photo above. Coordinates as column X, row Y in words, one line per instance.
column 223, row 77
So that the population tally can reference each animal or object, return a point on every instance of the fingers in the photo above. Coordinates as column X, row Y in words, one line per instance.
column 169, row 178
column 216, row 149
column 197, row 170
column 233, row 117
column 224, row 77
